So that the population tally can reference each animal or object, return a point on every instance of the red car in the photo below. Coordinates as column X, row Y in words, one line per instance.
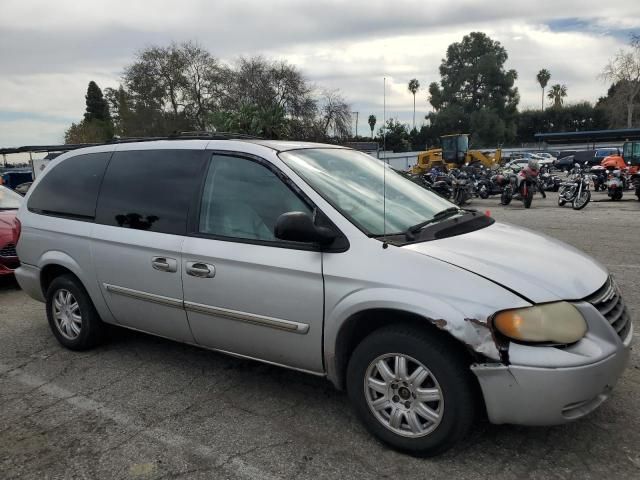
column 9, row 230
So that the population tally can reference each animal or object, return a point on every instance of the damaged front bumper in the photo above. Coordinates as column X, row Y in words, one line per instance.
column 550, row 385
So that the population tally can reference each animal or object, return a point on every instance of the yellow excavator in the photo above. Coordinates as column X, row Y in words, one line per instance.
column 454, row 153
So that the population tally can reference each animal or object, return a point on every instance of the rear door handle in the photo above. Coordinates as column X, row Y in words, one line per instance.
column 201, row 270
column 164, row 264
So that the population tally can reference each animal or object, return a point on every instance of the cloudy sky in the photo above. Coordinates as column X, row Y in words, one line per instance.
column 50, row 50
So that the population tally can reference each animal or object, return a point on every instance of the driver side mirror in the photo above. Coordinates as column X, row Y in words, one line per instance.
column 299, row 227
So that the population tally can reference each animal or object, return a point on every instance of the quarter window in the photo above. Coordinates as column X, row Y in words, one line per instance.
column 150, row 190
column 70, row 189
column 243, row 199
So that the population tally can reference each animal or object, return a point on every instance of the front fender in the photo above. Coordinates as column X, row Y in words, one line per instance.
column 464, row 320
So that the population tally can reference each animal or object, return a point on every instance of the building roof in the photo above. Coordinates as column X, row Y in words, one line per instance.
column 614, row 135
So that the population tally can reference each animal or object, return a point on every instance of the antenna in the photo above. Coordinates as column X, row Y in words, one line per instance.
column 384, row 167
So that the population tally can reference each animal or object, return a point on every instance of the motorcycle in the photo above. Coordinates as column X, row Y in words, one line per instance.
column 525, row 183
column 575, row 191
column 461, row 188
column 549, row 182
column 490, row 185
column 616, row 184
column 598, row 177
column 438, row 183
column 635, row 180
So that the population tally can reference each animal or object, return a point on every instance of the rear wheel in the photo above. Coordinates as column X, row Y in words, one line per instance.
column 505, row 197
column 527, row 196
column 411, row 390
column 72, row 317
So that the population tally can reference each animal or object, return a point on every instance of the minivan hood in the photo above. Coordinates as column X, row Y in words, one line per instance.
column 535, row 266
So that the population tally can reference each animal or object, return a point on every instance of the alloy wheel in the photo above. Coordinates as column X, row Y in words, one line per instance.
column 66, row 314
column 403, row 395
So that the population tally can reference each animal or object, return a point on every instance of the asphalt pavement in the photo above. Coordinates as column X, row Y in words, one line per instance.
column 140, row 407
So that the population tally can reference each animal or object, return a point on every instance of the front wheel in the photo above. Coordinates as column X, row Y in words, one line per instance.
column 580, row 202
column 561, row 199
column 412, row 390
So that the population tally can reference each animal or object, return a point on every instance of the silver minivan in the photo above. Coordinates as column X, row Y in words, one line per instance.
column 322, row 259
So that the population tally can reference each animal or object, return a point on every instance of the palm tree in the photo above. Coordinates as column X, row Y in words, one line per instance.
column 543, row 78
column 414, row 85
column 372, row 123
column 557, row 93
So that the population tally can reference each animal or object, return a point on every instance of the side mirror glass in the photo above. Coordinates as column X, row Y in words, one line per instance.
column 299, row 227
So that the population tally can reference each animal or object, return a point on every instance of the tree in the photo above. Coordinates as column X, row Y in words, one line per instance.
column 543, row 78
column 372, row 123
column 168, row 89
column 276, row 87
column 396, row 136
column 557, row 94
column 414, row 85
column 97, row 108
column 624, row 71
column 615, row 108
column 89, row 131
column 473, row 78
column 335, row 114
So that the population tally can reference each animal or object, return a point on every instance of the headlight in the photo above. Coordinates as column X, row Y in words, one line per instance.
column 558, row 322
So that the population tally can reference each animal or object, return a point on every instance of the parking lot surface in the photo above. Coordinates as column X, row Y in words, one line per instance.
column 141, row 407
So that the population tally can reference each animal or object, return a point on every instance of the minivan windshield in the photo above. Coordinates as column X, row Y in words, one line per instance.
column 9, row 200
column 354, row 183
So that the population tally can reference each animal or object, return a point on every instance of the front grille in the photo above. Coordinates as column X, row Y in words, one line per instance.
column 608, row 301
column 9, row 250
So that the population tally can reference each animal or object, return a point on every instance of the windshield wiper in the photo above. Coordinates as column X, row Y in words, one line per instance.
column 441, row 215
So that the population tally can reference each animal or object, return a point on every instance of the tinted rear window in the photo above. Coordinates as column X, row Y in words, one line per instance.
column 70, row 189
column 150, row 190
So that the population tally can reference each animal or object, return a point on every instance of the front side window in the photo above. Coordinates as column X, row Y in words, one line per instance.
column 150, row 190
column 374, row 197
column 70, row 189
column 243, row 199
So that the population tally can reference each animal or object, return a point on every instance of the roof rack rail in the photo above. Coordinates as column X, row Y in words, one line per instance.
column 196, row 135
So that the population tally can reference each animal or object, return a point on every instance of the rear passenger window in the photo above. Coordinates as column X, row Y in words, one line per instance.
column 150, row 189
column 70, row 189
column 243, row 199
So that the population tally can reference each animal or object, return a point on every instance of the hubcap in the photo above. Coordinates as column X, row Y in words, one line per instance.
column 66, row 314
column 403, row 395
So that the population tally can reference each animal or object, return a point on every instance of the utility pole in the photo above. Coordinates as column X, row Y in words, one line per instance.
column 357, row 114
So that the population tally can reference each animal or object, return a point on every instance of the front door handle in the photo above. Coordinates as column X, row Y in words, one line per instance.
column 201, row 270
column 164, row 264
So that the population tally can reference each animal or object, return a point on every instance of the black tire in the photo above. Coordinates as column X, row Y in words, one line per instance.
column 505, row 197
column 448, row 367
column 528, row 198
column 92, row 329
column 580, row 207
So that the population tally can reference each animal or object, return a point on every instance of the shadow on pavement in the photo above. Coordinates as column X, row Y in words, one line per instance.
column 8, row 282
